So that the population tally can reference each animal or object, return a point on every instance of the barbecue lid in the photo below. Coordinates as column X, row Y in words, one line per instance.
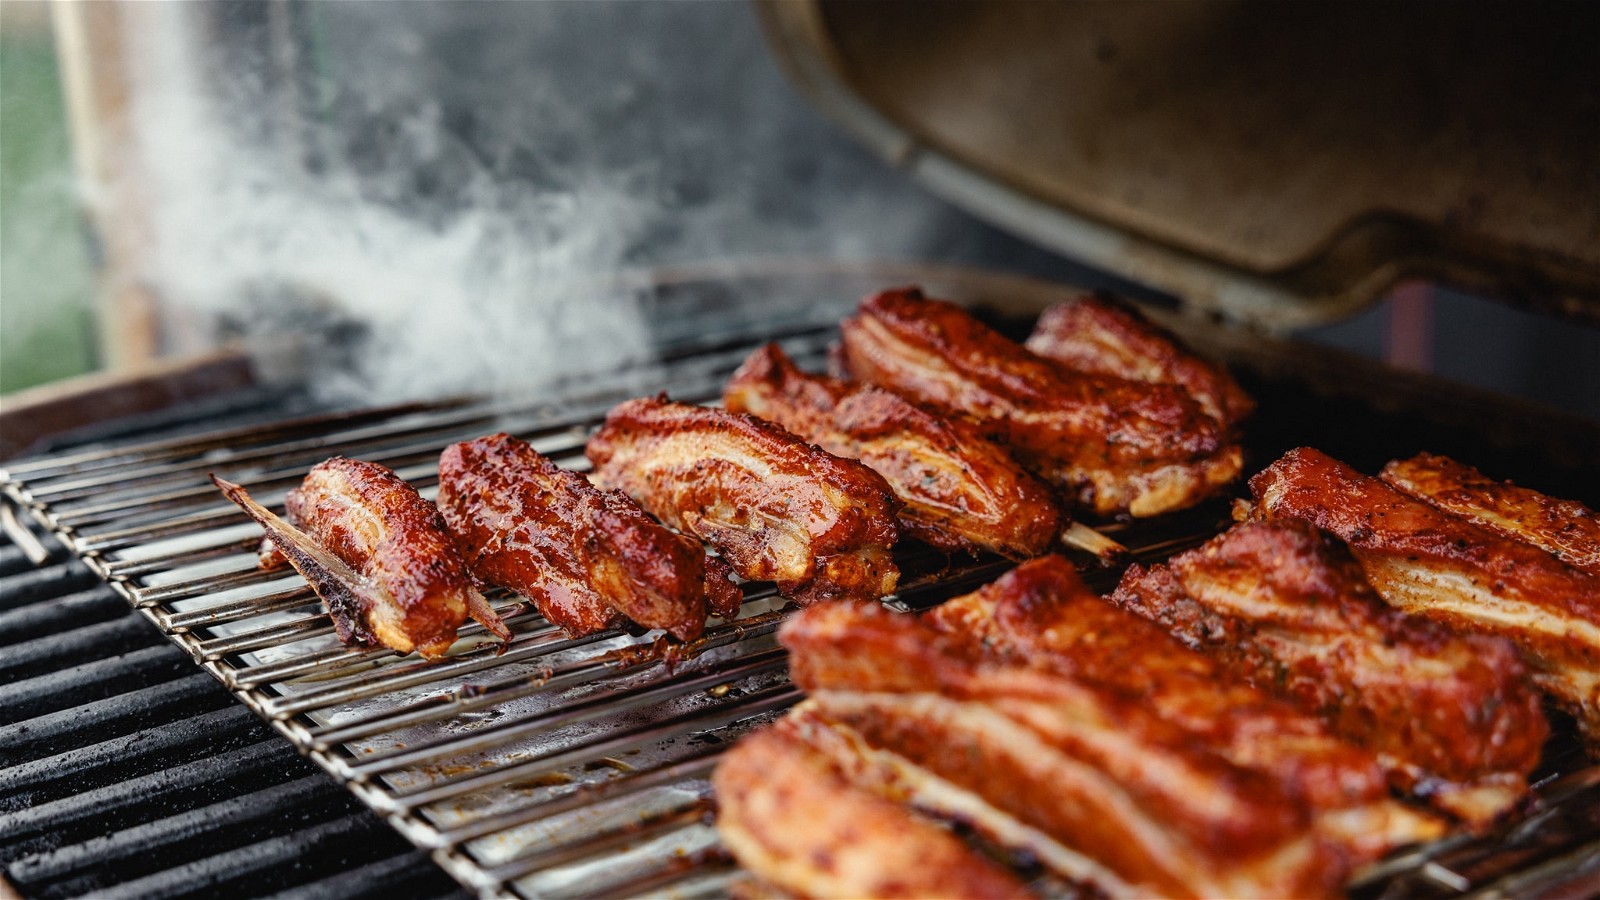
column 1275, row 164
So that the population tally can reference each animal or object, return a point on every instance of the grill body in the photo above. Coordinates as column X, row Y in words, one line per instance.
column 560, row 767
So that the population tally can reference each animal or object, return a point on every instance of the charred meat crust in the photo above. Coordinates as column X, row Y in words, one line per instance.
column 1098, row 335
column 961, row 492
column 775, row 507
column 1443, row 567
column 1451, row 716
column 1112, row 445
column 1097, row 728
column 1566, row 529
column 370, row 518
column 584, row 556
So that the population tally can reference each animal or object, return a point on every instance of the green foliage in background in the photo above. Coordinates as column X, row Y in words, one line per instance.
column 45, row 320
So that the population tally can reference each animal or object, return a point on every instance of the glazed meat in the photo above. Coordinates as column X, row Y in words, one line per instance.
column 1443, row 567
column 794, row 816
column 1094, row 728
column 584, row 556
column 1451, row 716
column 377, row 553
column 1110, row 444
column 960, row 490
column 776, row 508
column 1565, row 528
column 1101, row 336
column 1042, row 613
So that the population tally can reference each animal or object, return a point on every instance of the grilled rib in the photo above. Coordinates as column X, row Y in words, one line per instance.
column 582, row 555
column 1565, row 528
column 794, row 816
column 776, row 508
column 378, row 554
column 1450, row 716
column 1041, row 612
column 1112, row 445
column 1098, row 730
column 961, row 492
column 1101, row 336
column 1442, row 567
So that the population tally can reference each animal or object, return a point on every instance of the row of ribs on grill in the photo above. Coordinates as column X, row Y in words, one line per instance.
column 1356, row 666
column 946, row 431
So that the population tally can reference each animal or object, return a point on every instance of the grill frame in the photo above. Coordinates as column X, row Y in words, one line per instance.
column 111, row 503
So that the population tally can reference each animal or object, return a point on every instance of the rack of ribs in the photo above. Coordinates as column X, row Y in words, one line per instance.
column 1452, row 717
column 585, row 557
column 1111, row 445
column 377, row 553
column 775, row 507
column 1452, row 570
column 1123, row 757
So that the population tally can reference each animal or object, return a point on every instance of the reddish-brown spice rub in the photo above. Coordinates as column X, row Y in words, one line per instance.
column 776, row 508
column 1098, row 729
column 1443, row 567
column 1565, row 528
column 961, row 492
column 1451, row 716
column 795, row 817
column 386, row 532
column 1101, row 336
column 585, row 557
column 1112, row 445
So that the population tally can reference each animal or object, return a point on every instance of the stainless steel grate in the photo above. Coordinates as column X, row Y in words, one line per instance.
column 560, row 766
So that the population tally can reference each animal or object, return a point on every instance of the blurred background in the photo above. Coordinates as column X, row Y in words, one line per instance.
column 414, row 184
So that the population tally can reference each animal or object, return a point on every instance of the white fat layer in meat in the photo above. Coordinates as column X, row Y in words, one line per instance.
column 1153, row 493
column 387, row 619
column 1376, row 828
column 1264, row 876
column 933, row 794
column 787, row 538
column 360, row 517
column 1321, row 631
column 977, row 502
column 1420, row 588
column 1454, row 596
column 1143, row 494
column 1517, row 513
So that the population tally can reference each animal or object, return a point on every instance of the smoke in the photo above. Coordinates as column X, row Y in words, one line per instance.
column 421, row 194
column 392, row 293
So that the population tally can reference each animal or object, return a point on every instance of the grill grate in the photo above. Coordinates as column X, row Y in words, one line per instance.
column 558, row 767
column 125, row 772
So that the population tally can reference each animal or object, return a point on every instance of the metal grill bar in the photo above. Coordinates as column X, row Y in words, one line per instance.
column 87, row 814
column 530, row 769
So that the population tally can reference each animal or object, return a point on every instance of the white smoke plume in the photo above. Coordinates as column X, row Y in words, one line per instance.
column 426, row 217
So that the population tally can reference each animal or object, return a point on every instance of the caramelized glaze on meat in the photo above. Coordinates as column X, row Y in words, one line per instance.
column 393, row 538
column 1113, row 445
column 776, row 508
column 1042, row 612
column 960, row 490
column 1094, row 727
column 1101, row 336
column 1565, row 528
column 1442, row 567
column 1451, row 716
column 791, row 814
column 582, row 555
